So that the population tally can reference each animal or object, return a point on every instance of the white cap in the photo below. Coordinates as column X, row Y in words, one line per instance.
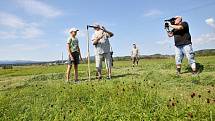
column 96, row 25
column 73, row 30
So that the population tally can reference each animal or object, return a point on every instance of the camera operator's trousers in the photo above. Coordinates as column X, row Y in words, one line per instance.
column 182, row 50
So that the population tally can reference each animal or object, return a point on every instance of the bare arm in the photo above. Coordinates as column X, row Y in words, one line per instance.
column 109, row 32
column 96, row 40
column 79, row 50
column 69, row 51
column 177, row 27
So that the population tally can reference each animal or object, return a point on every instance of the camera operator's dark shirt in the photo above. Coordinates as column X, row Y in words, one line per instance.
column 182, row 37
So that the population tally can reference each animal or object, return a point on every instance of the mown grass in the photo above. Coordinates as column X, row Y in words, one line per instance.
column 150, row 91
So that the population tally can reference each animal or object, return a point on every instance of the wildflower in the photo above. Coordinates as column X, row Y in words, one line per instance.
column 190, row 115
column 208, row 100
column 193, row 94
column 209, row 91
column 199, row 96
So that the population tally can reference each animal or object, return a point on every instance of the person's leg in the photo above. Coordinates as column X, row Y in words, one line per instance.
column 134, row 60
column 69, row 66
column 99, row 65
column 68, row 72
column 137, row 60
column 108, row 64
column 190, row 56
column 111, row 59
column 76, row 71
column 178, row 59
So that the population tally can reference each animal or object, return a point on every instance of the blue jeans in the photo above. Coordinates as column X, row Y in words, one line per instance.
column 182, row 50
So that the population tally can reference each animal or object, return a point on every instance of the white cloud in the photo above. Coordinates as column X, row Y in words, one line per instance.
column 28, row 47
column 31, row 32
column 205, row 38
column 10, row 20
column 7, row 35
column 210, row 22
column 14, row 27
column 153, row 12
column 39, row 8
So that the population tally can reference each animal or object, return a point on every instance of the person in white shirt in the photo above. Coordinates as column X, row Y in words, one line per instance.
column 102, row 49
column 135, row 55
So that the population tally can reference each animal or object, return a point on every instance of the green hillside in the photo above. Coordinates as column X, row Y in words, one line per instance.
column 148, row 92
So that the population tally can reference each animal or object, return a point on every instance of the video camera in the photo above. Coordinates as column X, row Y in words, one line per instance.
column 166, row 25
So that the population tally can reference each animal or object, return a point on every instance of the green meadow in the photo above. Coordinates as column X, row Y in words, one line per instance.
column 151, row 92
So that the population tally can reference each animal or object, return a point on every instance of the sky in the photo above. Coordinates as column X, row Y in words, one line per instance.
column 38, row 29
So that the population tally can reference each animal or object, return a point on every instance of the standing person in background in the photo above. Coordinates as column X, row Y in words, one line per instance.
column 74, row 53
column 102, row 49
column 135, row 55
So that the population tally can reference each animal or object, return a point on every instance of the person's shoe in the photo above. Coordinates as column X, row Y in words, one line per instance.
column 194, row 73
column 99, row 77
column 77, row 81
column 109, row 77
column 178, row 71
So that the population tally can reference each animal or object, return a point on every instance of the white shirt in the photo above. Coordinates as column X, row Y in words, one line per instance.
column 135, row 52
column 103, row 45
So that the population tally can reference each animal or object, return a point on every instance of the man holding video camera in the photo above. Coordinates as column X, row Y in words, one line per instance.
column 183, row 44
column 102, row 49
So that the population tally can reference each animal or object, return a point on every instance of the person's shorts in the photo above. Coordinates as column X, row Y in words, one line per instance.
column 187, row 50
column 99, row 58
column 76, row 60
column 135, row 59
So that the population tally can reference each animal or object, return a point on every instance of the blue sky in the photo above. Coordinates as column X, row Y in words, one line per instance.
column 37, row 29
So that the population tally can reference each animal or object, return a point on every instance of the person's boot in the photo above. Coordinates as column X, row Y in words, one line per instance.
column 178, row 71
column 194, row 73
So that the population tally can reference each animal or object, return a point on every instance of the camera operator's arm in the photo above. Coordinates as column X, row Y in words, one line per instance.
column 177, row 27
column 109, row 33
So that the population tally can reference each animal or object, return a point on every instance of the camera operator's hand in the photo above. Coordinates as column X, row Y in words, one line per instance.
column 103, row 28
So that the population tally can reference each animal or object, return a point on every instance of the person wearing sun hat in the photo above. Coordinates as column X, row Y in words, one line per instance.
column 183, row 44
column 73, row 53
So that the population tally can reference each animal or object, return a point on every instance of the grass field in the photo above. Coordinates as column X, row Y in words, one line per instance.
column 148, row 92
